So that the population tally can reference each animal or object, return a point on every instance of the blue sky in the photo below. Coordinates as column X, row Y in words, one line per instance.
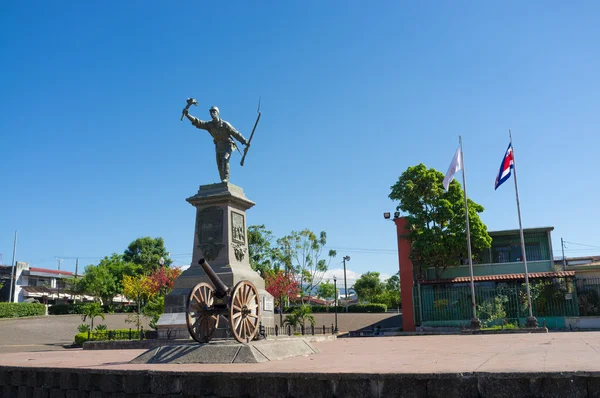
column 94, row 154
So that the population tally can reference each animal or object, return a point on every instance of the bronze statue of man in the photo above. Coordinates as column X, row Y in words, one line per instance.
column 222, row 133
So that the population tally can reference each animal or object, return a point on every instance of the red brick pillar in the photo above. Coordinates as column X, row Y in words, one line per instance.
column 406, row 275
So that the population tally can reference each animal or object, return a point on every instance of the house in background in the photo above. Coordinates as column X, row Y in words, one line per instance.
column 504, row 257
column 48, row 286
column 45, row 285
column 4, row 282
column 498, row 275
column 584, row 267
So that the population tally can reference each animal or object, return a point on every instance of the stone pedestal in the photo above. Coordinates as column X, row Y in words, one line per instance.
column 220, row 237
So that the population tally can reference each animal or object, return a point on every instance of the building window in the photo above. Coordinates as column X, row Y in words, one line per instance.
column 39, row 281
column 502, row 254
column 534, row 253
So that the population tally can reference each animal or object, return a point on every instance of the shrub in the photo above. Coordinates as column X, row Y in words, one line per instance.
column 16, row 310
column 101, row 328
column 118, row 334
column 314, row 308
column 66, row 309
column 83, row 328
column 367, row 308
column 357, row 308
column 492, row 310
column 78, row 308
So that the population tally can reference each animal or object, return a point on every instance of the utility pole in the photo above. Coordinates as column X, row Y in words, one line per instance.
column 76, row 266
column 12, row 274
column 562, row 244
column 59, row 260
column 346, row 258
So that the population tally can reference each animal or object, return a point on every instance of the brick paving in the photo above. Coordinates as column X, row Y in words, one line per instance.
column 552, row 352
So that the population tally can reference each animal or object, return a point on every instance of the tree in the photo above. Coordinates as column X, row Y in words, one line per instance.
column 282, row 286
column 393, row 283
column 391, row 294
column 147, row 252
column 437, row 219
column 259, row 248
column 326, row 290
column 118, row 268
column 91, row 311
column 161, row 281
column 368, row 287
column 97, row 281
column 138, row 289
column 154, row 309
column 299, row 316
column 301, row 253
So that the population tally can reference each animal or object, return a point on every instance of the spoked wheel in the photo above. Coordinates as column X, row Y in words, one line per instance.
column 244, row 311
column 201, row 321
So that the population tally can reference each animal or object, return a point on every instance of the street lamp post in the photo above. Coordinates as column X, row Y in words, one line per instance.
column 346, row 258
column 161, row 262
column 336, row 303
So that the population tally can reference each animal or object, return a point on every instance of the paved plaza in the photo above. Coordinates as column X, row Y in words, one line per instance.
column 50, row 332
column 506, row 353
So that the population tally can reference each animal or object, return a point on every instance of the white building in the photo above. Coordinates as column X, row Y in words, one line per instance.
column 45, row 285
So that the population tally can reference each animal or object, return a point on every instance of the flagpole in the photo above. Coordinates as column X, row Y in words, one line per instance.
column 531, row 320
column 13, row 286
column 475, row 322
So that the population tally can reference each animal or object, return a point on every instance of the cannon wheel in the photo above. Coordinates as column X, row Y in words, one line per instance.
column 244, row 311
column 201, row 321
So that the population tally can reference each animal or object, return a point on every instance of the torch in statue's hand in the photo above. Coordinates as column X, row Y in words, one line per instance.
column 190, row 102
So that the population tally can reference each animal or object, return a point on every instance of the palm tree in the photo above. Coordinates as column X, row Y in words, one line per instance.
column 299, row 316
column 91, row 311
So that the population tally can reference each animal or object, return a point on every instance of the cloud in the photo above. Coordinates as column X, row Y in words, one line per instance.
column 383, row 276
column 351, row 276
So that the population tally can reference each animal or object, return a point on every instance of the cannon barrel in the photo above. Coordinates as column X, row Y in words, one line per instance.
column 220, row 288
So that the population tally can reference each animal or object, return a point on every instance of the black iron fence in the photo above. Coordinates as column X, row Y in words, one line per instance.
column 121, row 334
column 264, row 331
column 298, row 330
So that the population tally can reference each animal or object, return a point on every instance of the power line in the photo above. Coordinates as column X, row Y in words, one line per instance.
column 581, row 244
column 355, row 249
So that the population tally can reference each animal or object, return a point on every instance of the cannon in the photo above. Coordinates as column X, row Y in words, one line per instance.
column 206, row 304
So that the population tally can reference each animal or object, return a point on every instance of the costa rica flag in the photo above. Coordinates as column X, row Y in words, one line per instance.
column 505, row 167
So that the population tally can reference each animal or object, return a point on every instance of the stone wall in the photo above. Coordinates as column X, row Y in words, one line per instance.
column 94, row 383
column 356, row 321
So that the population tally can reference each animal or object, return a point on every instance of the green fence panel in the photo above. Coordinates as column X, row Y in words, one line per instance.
column 444, row 303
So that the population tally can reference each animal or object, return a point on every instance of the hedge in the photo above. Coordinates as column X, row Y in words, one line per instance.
column 66, row 309
column 77, row 308
column 118, row 334
column 356, row 308
column 16, row 310
column 367, row 308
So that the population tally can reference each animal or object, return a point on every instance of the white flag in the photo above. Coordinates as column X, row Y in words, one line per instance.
column 454, row 167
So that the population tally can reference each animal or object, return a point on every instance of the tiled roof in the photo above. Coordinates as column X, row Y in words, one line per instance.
column 496, row 278
column 49, row 271
column 38, row 289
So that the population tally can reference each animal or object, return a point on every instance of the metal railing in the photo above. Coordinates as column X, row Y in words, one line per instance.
column 449, row 303
column 131, row 334
column 300, row 330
